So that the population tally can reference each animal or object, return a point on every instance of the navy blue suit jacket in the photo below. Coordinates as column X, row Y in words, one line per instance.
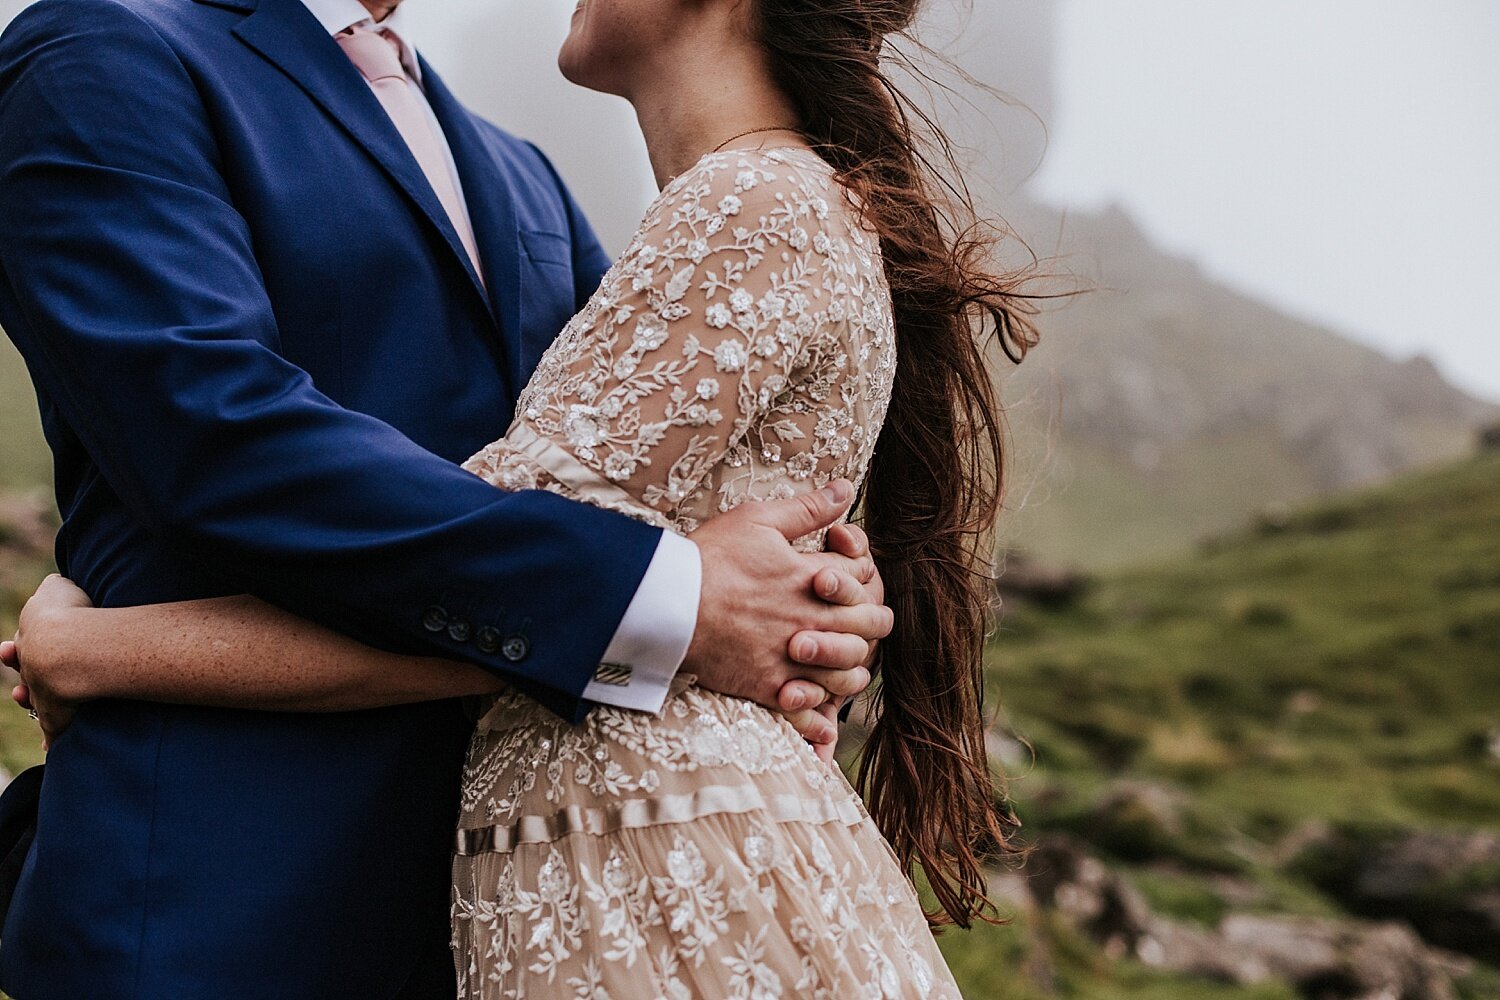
column 259, row 351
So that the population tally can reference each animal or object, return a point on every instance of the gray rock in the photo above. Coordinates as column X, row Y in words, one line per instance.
column 1445, row 884
column 1323, row 959
column 1026, row 581
column 1064, row 877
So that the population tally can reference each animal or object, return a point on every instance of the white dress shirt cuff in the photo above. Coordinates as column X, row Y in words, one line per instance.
column 653, row 637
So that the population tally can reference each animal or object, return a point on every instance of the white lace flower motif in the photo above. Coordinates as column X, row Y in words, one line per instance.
column 730, row 356
column 718, row 316
column 686, row 865
column 772, row 306
column 552, row 882
column 581, row 426
column 650, row 332
column 515, row 478
column 619, row 466
column 759, row 852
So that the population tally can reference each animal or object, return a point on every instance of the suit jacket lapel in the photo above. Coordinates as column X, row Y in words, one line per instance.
column 492, row 210
column 286, row 34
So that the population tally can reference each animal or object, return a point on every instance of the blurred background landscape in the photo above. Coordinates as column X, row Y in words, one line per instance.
column 1248, row 669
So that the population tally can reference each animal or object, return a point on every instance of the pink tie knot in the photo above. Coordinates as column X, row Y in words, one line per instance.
column 376, row 53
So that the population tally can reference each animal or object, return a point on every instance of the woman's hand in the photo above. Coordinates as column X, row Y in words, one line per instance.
column 819, row 727
column 37, row 652
column 819, row 724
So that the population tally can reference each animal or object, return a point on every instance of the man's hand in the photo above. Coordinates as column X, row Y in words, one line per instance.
column 30, row 654
column 769, row 615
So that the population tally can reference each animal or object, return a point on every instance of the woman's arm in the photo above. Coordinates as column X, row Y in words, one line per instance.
column 234, row 652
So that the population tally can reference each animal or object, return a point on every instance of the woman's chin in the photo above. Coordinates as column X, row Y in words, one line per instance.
column 567, row 63
column 583, row 72
column 571, row 69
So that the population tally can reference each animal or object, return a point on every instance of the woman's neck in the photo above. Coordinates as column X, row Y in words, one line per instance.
column 702, row 100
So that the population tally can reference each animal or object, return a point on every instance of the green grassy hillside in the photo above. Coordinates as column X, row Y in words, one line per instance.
column 25, row 465
column 1344, row 664
column 24, row 459
column 1337, row 669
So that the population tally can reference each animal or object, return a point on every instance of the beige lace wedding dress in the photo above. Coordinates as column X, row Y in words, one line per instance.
column 742, row 348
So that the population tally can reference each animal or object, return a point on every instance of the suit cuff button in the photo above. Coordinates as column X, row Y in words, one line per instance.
column 459, row 629
column 488, row 639
column 515, row 648
column 435, row 618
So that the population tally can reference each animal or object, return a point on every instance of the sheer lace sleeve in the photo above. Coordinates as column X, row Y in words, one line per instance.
column 724, row 355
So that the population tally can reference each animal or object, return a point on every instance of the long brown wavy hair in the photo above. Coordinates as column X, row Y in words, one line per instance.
column 935, row 484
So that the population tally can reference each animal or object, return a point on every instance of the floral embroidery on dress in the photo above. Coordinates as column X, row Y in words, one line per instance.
column 742, row 348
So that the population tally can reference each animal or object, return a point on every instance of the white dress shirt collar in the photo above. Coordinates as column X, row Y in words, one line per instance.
column 337, row 15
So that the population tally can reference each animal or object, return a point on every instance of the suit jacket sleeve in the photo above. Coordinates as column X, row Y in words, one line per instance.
column 143, row 317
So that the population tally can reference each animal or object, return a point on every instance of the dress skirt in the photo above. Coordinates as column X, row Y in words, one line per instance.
column 705, row 853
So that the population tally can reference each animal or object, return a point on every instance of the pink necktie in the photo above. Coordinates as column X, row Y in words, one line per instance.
column 377, row 55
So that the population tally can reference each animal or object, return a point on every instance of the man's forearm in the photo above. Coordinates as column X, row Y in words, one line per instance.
column 233, row 652
column 138, row 302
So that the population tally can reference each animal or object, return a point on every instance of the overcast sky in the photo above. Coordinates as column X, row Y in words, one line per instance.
column 1340, row 158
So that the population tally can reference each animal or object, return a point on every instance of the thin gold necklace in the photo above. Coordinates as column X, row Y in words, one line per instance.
column 756, row 131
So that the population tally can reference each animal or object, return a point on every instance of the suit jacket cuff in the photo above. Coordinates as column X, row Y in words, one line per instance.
column 653, row 637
